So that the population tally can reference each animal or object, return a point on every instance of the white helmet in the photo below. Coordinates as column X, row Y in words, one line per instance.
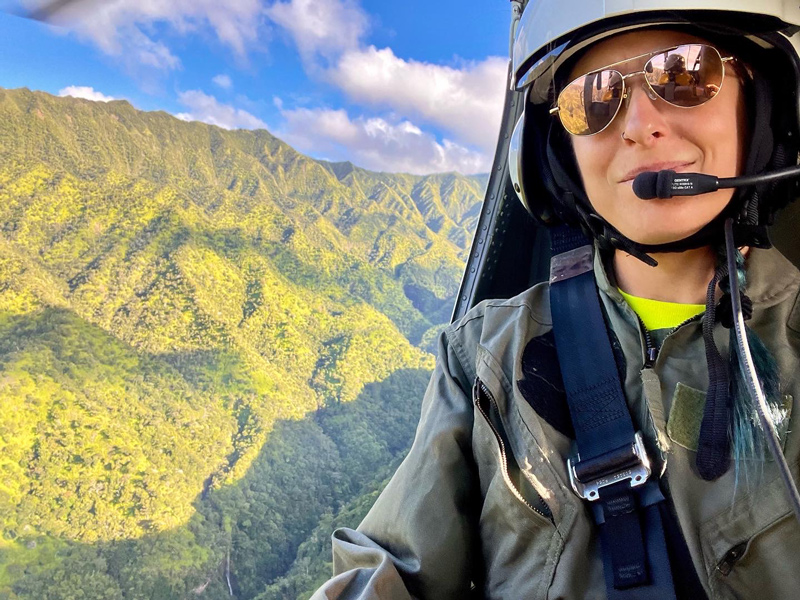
column 765, row 34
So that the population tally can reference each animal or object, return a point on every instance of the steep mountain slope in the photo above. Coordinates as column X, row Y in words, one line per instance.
column 172, row 296
column 254, row 188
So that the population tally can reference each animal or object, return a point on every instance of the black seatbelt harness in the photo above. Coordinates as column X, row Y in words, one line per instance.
column 611, row 470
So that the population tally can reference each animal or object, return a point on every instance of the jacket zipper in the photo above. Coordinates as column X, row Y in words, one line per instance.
column 479, row 390
column 725, row 566
column 651, row 352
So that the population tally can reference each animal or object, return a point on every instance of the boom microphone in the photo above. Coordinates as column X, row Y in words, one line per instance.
column 667, row 183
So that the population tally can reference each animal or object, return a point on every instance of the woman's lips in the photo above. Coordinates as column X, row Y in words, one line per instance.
column 661, row 166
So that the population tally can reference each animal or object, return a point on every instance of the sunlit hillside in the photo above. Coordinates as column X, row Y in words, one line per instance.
column 211, row 347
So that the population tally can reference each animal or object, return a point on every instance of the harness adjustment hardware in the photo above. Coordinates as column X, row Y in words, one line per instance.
column 629, row 462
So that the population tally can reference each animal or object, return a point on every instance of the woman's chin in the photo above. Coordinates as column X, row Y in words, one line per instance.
column 665, row 223
column 653, row 237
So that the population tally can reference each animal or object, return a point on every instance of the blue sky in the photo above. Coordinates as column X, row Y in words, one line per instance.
column 406, row 85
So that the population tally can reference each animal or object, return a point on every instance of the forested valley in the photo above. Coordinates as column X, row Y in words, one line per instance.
column 212, row 349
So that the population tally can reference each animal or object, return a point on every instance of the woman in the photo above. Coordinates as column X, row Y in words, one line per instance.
column 484, row 505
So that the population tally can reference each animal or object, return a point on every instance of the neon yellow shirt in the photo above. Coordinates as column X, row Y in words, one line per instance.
column 656, row 314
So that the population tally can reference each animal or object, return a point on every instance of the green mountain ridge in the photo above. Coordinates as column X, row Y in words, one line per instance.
column 170, row 294
column 401, row 223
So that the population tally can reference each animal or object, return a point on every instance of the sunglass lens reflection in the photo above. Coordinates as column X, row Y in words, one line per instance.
column 588, row 104
column 686, row 76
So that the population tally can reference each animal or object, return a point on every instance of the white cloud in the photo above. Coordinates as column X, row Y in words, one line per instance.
column 467, row 102
column 208, row 109
column 86, row 92
column 463, row 100
column 124, row 28
column 321, row 27
column 139, row 50
column 223, row 81
column 377, row 144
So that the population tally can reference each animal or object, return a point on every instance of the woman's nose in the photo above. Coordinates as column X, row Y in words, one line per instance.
column 642, row 120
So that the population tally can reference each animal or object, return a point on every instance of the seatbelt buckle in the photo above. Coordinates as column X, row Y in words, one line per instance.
column 625, row 463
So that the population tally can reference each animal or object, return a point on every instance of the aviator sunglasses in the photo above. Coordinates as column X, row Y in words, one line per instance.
column 685, row 76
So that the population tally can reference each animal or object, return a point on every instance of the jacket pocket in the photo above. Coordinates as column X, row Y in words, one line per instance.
column 512, row 475
column 752, row 553
column 520, row 543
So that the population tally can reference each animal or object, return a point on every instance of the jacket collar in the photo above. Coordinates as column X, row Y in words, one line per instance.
column 771, row 277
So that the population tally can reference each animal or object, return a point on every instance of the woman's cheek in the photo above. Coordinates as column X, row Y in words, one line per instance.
column 594, row 161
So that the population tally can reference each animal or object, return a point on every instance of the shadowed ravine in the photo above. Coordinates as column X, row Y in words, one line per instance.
column 306, row 472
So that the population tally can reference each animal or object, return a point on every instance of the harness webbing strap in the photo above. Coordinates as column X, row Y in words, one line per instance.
column 615, row 545
column 622, row 536
column 635, row 559
column 596, row 401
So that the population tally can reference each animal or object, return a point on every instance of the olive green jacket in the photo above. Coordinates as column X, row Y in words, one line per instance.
column 483, row 499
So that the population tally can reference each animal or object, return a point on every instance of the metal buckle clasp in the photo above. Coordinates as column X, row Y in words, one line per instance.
column 638, row 473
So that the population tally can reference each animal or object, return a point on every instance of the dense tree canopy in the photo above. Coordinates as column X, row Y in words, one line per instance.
column 212, row 349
